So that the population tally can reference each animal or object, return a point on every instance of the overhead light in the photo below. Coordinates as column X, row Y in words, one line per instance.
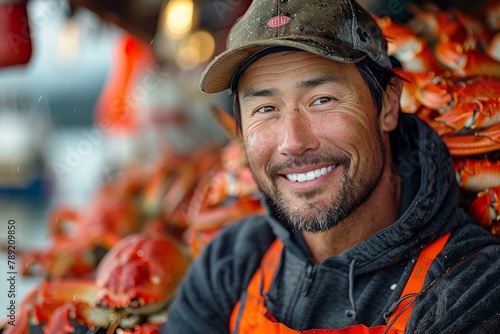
column 178, row 18
column 196, row 49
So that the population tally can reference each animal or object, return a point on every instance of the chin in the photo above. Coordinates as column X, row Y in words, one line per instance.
column 309, row 216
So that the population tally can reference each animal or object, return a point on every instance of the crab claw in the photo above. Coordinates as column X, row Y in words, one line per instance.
column 478, row 174
column 434, row 96
column 485, row 209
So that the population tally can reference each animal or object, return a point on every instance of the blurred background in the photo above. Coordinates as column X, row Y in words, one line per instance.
column 90, row 87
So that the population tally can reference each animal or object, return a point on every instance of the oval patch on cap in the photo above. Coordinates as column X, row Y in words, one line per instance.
column 278, row 21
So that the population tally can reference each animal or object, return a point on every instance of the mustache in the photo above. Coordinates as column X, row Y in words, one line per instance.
column 275, row 168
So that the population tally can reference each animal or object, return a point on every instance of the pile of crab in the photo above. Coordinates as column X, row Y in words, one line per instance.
column 130, row 292
column 114, row 265
column 450, row 61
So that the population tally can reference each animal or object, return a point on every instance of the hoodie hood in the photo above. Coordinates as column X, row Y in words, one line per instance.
column 429, row 195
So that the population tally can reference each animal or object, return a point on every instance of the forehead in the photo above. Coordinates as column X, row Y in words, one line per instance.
column 296, row 65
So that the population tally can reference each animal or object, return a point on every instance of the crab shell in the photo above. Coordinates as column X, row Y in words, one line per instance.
column 141, row 273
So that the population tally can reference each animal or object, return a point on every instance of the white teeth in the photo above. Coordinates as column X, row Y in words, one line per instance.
column 309, row 175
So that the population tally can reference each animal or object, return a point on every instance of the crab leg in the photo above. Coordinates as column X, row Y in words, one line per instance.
column 484, row 141
column 474, row 88
column 472, row 115
column 412, row 51
column 443, row 94
column 60, row 321
column 40, row 305
column 477, row 175
column 462, row 61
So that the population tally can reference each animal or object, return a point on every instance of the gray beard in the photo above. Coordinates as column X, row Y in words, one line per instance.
column 323, row 221
column 353, row 194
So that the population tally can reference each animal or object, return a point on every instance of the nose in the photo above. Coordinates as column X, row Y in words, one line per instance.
column 298, row 135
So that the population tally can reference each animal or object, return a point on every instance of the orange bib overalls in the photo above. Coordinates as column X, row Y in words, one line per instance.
column 252, row 316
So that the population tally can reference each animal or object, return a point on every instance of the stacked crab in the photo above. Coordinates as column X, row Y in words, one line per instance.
column 114, row 265
column 133, row 285
column 451, row 63
column 137, row 199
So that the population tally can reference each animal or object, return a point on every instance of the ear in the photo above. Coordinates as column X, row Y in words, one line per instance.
column 388, row 118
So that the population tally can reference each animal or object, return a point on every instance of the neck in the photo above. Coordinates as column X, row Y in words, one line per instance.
column 379, row 212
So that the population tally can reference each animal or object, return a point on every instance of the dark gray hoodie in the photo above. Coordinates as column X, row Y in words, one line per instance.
column 464, row 296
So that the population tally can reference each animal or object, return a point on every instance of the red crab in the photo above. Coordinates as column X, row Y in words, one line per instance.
column 134, row 283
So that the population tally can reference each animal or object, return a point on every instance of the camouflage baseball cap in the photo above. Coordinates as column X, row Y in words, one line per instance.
column 337, row 29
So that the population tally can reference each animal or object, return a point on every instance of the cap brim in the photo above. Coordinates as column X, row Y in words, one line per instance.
column 217, row 76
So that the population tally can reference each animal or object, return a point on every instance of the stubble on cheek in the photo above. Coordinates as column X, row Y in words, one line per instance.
column 256, row 156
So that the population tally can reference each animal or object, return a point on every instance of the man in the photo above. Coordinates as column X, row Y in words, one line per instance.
column 363, row 232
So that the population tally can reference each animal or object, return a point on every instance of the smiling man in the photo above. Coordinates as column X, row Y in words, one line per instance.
column 363, row 233
column 317, row 148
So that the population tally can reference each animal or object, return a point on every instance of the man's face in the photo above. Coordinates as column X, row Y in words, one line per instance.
column 312, row 137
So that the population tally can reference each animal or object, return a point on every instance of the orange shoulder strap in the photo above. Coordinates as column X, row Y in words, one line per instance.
column 399, row 318
column 260, row 283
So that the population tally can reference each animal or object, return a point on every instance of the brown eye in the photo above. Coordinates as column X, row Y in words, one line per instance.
column 265, row 109
column 322, row 100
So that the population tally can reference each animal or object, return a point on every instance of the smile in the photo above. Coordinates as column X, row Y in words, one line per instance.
column 304, row 177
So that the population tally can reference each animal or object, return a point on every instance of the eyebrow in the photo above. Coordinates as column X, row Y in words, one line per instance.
column 260, row 92
column 314, row 82
column 318, row 81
